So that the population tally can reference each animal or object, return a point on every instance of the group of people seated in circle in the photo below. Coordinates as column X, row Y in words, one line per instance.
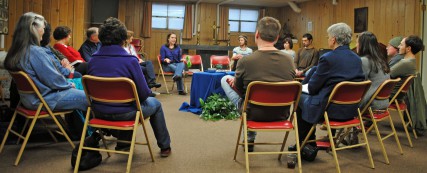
column 107, row 52
column 368, row 61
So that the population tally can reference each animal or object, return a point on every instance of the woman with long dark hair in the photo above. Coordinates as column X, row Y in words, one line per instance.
column 25, row 54
column 375, row 67
column 171, row 58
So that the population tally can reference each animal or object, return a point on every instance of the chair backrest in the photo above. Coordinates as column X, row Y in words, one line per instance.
column 382, row 93
column 273, row 94
column 26, row 85
column 110, row 90
column 404, row 87
column 223, row 60
column 347, row 92
column 195, row 60
column 137, row 43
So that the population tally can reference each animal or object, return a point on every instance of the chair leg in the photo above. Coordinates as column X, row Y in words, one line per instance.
column 238, row 139
column 30, row 129
column 164, row 80
column 297, row 143
column 395, row 135
column 283, row 145
column 23, row 130
column 405, row 127
column 410, row 122
column 245, row 141
column 139, row 114
column 82, row 140
column 49, row 131
column 9, row 128
column 132, row 145
column 331, row 141
column 377, row 132
column 368, row 148
column 63, row 131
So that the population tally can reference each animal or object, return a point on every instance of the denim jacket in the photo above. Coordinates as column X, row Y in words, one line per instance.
column 50, row 82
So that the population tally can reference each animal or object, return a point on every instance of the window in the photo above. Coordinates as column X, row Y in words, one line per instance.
column 168, row 16
column 242, row 20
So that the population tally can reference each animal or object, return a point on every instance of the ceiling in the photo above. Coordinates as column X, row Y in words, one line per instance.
column 261, row 3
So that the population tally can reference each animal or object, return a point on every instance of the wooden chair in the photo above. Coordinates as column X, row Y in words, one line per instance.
column 26, row 85
column 220, row 60
column 196, row 60
column 164, row 73
column 120, row 90
column 401, row 107
column 270, row 94
column 345, row 93
column 383, row 93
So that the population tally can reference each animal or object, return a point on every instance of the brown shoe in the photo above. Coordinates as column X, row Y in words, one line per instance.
column 165, row 152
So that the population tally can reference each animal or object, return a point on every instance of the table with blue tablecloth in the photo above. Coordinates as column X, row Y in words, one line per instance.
column 203, row 84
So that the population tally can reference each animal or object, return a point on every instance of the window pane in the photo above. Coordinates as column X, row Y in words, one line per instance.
column 233, row 14
column 234, row 26
column 248, row 27
column 158, row 22
column 176, row 23
column 251, row 15
column 176, row 10
column 160, row 10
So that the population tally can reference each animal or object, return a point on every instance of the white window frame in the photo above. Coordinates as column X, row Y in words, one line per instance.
column 168, row 17
column 242, row 20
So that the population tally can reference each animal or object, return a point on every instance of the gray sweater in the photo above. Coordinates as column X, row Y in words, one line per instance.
column 377, row 79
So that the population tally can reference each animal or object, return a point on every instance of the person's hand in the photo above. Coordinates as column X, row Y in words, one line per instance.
column 68, row 66
column 230, row 82
column 299, row 73
column 65, row 61
column 167, row 60
column 182, row 60
column 140, row 61
column 73, row 85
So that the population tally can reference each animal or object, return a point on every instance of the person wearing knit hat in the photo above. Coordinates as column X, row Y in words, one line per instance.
column 393, row 50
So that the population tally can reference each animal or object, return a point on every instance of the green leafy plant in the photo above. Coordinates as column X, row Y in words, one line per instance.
column 217, row 107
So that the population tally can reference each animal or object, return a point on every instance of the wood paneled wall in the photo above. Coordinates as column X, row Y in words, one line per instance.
column 386, row 18
column 72, row 13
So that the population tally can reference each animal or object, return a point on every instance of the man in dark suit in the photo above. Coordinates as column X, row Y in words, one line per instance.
column 340, row 64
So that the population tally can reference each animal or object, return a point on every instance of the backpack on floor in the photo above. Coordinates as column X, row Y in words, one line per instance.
column 89, row 158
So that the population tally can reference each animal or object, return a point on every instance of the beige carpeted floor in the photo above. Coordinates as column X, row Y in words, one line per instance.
column 208, row 147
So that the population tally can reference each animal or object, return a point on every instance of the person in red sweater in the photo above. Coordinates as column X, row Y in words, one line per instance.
column 62, row 35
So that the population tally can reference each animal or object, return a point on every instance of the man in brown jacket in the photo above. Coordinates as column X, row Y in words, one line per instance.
column 266, row 64
column 306, row 57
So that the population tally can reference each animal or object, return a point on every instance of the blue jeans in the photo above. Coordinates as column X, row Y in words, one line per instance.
column 152, row 108
column 148, row 70
column 74, row 99
column 177, row 68
column 235, row 99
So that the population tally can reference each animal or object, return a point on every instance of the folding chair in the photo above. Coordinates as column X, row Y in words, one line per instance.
column 120, row 90
column 270, row 94
column 383, row 93
column 401, row 107
column 196, row 60
column 137, row 43
column 220, row 60
column 163, row 73
column 26, row 85
column 345, row 93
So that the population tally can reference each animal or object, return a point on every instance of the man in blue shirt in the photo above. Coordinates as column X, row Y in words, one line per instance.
column 91, row 45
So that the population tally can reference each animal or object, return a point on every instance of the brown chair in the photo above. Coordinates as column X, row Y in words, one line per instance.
column 120, row 90
column 401, row 107
column 220, row 60
column 270, row 94
column 26, row 85
column 345, row 93
column 163, row 73
column 383, row 93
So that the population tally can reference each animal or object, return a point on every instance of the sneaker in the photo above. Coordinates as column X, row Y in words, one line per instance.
column 151, row 95
column 165, row 152
column 154, row 85
column 182, row 93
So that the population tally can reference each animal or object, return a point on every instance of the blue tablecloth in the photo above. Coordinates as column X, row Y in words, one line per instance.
column 203, row 84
